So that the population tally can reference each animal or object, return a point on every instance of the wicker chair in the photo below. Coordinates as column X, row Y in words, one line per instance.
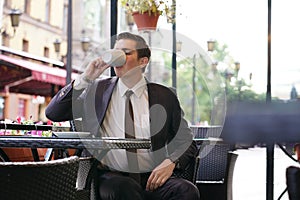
column 45, row 180
column 190, row 172
column 215, row 174
column 293, row 182
column 86, row 179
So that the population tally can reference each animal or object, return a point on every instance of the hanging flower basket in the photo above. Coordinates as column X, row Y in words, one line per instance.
column 146, row 20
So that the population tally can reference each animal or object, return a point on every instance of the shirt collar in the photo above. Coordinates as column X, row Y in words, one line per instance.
column 138, row 89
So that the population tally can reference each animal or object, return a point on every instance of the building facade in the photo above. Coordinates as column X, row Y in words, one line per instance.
column 29, row 49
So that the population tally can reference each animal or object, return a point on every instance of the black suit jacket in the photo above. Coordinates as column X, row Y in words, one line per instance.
column 170, row 135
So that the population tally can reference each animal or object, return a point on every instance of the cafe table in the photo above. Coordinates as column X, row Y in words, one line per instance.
column 78, row 143
column 72, row 141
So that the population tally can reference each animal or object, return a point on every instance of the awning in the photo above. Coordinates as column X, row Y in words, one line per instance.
column 23, row 76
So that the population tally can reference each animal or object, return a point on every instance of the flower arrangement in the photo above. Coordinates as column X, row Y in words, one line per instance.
column 159, row 7
column 34, row 133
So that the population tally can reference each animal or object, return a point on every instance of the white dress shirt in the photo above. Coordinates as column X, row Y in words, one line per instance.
column 113, row 125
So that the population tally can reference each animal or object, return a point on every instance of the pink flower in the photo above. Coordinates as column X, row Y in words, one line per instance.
column 19, row 120
column 39, row 133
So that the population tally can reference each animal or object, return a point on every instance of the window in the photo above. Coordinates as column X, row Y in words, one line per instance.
column 25, row 45
column 46, row 52
column 27, row 6
column 65, row 19
column 47, row 11
column 7, row 3
column 21, row 107
column 5, row 41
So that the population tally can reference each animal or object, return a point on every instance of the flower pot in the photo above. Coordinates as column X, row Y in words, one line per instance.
column 23, row 154
column 145, row 21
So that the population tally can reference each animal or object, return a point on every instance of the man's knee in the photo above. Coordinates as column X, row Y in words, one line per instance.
column 117, row 188
column 193, row 192
column 186, row 190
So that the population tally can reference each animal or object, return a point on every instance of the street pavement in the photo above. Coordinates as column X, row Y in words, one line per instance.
column 249, row 179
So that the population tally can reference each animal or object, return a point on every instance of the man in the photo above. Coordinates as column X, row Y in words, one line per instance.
column 157, row 116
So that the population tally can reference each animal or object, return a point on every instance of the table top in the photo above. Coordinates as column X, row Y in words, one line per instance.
column 208, row 140
column 73, row 143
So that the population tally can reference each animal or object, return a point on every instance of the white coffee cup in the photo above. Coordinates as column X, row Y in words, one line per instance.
column 114, row 57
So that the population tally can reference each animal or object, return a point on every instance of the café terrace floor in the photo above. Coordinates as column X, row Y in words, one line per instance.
column 249, row 179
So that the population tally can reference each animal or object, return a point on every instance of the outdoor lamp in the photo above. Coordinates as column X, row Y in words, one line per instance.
column 85, row 44
column 178, row 46
column 56, row 44
column 15, row 21
column 211, row 45
column 15, row 17
column 228, row 74
column 237, row 66
column 214, row 66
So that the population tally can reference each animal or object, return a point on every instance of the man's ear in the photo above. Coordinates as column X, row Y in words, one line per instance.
column 144, row 61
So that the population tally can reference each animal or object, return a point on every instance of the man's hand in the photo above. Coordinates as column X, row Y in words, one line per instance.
column 160, row 175
column 95, row 69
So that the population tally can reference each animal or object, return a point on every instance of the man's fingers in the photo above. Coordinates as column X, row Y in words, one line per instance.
column 155, row 181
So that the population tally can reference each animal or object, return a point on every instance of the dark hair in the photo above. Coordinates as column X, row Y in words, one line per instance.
column 142, row 48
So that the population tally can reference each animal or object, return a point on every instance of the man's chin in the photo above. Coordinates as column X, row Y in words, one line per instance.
column 129, row 73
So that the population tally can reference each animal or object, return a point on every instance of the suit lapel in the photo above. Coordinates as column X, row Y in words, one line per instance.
column 153, row 100
column 104, row 93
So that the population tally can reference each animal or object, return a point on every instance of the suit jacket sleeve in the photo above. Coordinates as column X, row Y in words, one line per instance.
column 169, row 129
column 181, row 147
column 62, row 104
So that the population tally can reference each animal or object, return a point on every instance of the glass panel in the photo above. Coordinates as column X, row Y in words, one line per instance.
column 285, row 49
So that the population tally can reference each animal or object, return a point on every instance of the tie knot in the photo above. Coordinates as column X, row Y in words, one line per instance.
column 128, row 93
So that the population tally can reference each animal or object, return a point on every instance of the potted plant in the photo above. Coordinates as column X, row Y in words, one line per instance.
column 146, row 12
column 24, row 154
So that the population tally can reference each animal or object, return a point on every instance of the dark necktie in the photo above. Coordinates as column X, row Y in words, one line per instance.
column 130, row 133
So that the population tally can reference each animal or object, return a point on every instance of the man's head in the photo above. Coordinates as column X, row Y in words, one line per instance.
column 141, row 45
column 137, row 52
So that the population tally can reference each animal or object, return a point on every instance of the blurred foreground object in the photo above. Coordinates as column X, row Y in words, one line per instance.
column 262, row 122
